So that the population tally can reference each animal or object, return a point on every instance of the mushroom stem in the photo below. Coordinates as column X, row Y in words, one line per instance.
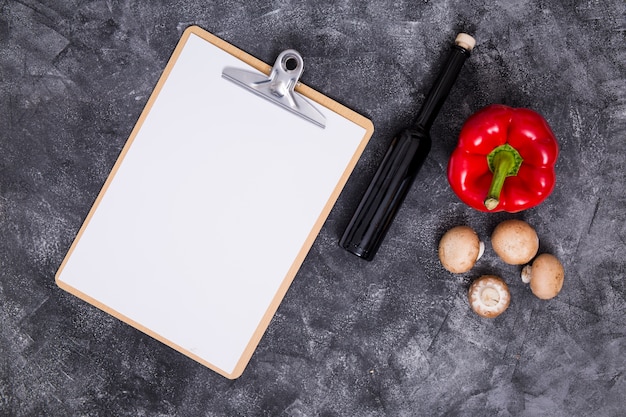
column 527, row 274
column 490, row 296
column 481, row 250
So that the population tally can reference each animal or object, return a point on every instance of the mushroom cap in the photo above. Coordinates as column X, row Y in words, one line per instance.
column 515, row 241
column 459, row 249
column 489, row 296
column 547, row 276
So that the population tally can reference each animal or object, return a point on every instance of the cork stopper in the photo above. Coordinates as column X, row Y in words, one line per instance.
column 465, row 41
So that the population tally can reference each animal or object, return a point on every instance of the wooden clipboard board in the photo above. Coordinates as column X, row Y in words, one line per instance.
column 211, row 207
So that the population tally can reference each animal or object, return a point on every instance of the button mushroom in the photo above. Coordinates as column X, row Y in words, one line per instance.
column 489, row 296
column 545, row 276
column 459, row 249
column 515, row 242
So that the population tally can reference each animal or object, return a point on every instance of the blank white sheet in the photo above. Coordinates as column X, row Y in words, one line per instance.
column 210, row 210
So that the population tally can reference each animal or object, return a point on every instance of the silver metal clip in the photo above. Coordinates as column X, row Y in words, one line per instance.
column 279, row 87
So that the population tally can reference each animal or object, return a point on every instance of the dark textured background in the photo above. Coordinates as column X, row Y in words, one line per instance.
column 394, row 337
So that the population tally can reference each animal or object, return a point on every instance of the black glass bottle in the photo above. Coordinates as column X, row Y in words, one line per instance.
column 403, row 159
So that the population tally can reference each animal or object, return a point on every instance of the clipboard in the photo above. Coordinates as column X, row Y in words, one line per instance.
column 211, row 207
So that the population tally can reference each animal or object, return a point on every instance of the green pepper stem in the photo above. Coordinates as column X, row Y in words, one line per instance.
column 504, row 161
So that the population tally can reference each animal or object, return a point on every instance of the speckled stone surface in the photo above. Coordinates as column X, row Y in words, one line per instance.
column 392, row 337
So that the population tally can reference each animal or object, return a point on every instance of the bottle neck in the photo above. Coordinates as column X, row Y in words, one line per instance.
column 441, row 88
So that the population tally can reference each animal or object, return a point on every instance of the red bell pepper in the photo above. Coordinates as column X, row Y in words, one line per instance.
column 504, row 160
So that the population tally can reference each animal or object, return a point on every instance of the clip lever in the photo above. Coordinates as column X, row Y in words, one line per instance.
column 279, row 87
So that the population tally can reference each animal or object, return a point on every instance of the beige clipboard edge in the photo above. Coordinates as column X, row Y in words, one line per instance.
column 295, row 266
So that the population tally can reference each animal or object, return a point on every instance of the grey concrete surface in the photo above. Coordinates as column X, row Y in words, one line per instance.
column 392, row 337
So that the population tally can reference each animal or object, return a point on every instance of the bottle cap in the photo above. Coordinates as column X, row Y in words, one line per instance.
column 465, row 41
